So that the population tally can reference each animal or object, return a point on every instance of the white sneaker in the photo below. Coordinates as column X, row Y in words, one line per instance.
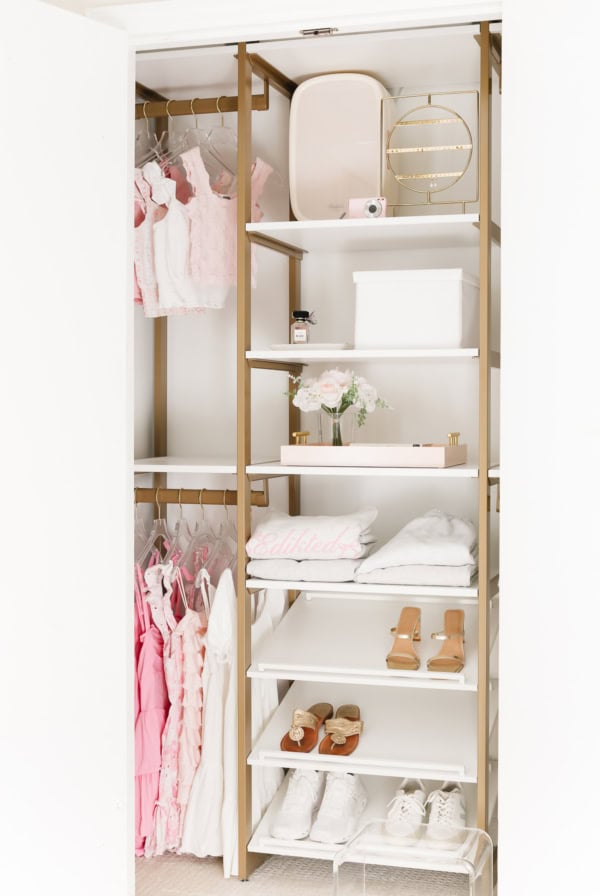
column 297, row 812
column 447, row 816
column 343, row 803
column 406, row 812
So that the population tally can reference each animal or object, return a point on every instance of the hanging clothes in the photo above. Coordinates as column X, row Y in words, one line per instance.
column 183, row 658
column 152, row 705
column 143, row 244
column 210, row 827
column 268, row 610
column 213, row 228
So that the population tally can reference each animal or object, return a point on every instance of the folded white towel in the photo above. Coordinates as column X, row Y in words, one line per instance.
column 304, row 570
column 418, row 575
column 312, row 537
column 434, row 539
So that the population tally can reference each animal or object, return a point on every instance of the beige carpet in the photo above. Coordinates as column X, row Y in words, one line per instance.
column 279, row 876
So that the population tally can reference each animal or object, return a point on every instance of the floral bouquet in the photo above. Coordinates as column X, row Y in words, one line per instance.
column 334, row 392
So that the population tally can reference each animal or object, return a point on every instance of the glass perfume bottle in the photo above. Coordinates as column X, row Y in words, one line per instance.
column 299, row 330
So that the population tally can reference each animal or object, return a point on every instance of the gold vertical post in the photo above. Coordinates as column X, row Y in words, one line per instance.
column 294, row 413
column 160, row 446
column 484, row 427
column 243, row 453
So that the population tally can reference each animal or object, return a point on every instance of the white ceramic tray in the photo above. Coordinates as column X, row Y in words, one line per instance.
column 364, row 455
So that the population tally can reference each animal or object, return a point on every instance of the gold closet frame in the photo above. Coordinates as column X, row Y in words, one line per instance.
column 244, row 103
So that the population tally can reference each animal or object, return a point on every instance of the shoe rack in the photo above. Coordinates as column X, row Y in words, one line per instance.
column 334, row 638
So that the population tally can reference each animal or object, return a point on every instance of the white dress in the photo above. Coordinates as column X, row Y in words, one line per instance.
column 265, row 781
column 210, row 827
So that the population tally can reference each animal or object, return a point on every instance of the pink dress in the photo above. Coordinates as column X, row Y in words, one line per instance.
column 152, row 703
column 143, row 246
column 183, row 658
column 213, row 222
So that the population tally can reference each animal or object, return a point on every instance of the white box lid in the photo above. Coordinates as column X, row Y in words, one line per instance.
column 417, row 274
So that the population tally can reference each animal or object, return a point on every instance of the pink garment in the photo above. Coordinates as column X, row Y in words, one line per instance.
column 153, row 704
column 143, row 246
column 183, row 659
column 139, row 212
column 213, row 220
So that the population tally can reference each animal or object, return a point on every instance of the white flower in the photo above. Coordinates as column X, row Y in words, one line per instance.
column 329, row 389
column 342, row 378
column 367, row 395
column 307, row 398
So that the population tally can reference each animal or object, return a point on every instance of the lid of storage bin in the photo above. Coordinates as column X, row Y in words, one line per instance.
column 419, row 274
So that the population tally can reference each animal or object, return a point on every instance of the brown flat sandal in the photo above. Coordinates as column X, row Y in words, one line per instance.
column 304, row 731
column 341, row 733
column 451, row 657
column 403, row 655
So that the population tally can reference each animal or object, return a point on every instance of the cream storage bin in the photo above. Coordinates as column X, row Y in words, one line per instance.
column 335, row 145
column 416, row 309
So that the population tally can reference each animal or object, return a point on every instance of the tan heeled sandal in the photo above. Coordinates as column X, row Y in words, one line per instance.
column 403, row 654
column 451, row 657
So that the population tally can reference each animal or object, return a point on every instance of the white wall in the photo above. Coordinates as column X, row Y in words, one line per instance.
column 550, row 618
column 66, row 694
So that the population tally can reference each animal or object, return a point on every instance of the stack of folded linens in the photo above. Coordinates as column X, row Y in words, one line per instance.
column 434, row 549
column 310, row 548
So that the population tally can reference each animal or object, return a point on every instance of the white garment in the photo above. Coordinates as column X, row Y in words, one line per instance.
column 304, row 570
column 436, row 539
column 312, row 537
column 265, row 699
column 177, row 293
column 419, row 575
column 210, row 827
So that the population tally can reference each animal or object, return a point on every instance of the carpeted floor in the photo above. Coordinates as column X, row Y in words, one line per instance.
column 278, row 876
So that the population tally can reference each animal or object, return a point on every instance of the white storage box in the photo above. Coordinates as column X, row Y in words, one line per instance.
column 416, row 309
column 335, row 144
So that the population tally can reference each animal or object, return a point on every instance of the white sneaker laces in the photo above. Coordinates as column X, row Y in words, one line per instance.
column 445, row 808
column 404, row 805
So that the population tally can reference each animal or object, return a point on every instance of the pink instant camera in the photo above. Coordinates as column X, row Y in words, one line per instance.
column 367, row 208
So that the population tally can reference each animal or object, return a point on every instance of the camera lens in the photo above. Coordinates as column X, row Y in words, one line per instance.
column 372, row 208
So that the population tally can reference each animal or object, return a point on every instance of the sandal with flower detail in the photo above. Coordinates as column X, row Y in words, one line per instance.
column 304, row 731
column 403, row 655
column 451, row 657
column 342, row 733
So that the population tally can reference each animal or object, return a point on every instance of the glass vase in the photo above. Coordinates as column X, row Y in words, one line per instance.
column 330, row 427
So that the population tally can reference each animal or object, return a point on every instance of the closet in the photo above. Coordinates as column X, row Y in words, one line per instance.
column 211, row 413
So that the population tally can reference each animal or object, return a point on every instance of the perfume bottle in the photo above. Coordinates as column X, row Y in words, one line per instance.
column 300, row 327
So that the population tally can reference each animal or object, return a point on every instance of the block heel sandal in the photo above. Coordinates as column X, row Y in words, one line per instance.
column 451, row 657
column 403, row 655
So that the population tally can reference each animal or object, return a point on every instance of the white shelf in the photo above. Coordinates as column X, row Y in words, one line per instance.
column 184, row 465
column 307, row 355
column 423, row 734
column 275, row 468
column 494, row 472
column 374, row 234
column 332, row 639
column 379, row 791
column 355, row 591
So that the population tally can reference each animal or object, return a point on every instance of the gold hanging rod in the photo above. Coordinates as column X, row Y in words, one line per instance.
column 419, row 121
column 199, row 496
column 199, row 106
column 431, row 174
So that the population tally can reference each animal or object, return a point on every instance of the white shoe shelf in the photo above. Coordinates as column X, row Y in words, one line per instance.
column 408, row 732
column 380, row 791
column 331, row 638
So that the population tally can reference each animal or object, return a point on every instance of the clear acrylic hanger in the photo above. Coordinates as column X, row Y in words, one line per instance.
column 159, row 539
column 222, row 144
column 149, row 146
column 224, row 552
column 182, row 536
column 195, row 557
column 141, row 533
